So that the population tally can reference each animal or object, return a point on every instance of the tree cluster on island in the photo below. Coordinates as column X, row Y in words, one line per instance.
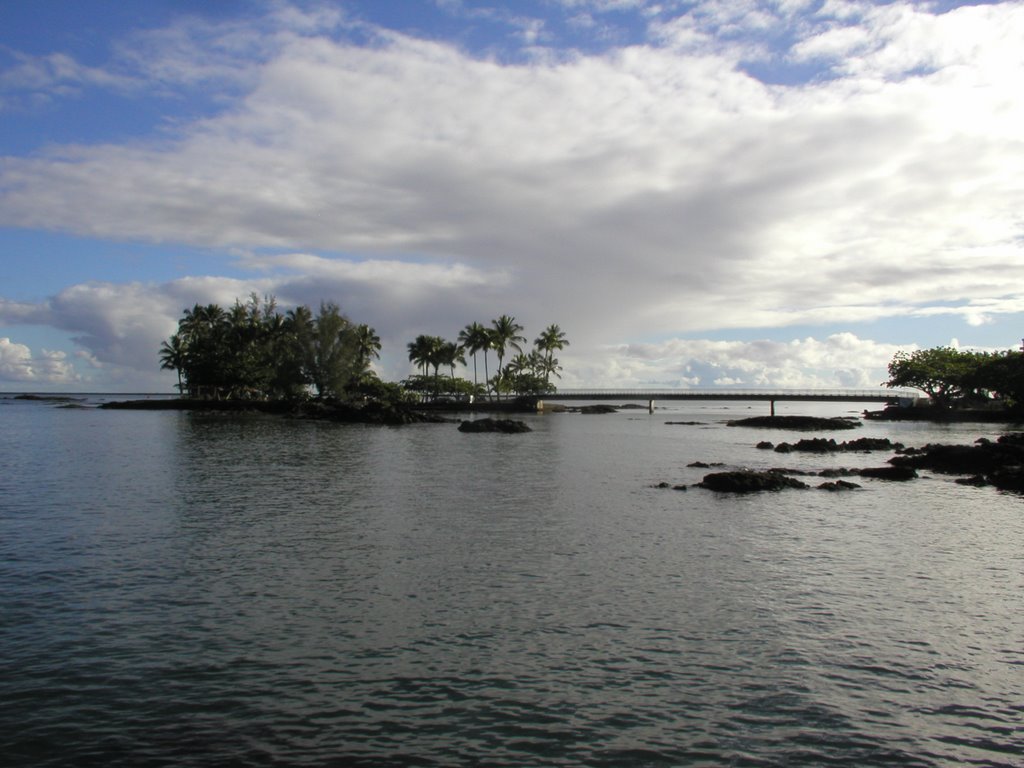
column 962, row 378
column 252, row 351
column 526, row 373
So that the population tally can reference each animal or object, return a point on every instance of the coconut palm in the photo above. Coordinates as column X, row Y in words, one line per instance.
column 369, row 342
column 550, row 340
column 421, row 349
column 476, row 338
column 173, row 357
column 504, row 335
column 449, row 354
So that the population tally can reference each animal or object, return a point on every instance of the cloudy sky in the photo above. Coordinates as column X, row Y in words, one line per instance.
column 775, row 193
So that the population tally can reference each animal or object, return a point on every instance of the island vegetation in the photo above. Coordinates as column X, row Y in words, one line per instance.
column 957, row 378
column 253, row 352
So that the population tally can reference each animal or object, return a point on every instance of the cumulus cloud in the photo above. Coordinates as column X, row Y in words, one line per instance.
column 19, row 365
column 840, row 360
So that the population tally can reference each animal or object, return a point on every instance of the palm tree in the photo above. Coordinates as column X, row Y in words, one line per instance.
column 504, row 334
column 420, row 352
column 475, row 338
column 369, row 349
column 369, row 342
column 550, row 340
column 449, row 354
column 173, row 357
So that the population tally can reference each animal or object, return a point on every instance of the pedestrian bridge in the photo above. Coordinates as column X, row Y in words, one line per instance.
column 650, row 396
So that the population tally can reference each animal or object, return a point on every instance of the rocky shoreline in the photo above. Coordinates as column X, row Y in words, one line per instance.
column 998, row 463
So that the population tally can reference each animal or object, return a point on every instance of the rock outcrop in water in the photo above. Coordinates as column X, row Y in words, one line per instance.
column 748, row 481
column 507, row 426
column 799, row 423
column 999, row 463
column 821, row 445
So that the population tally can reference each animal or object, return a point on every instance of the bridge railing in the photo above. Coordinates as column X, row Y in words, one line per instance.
column 759, row 394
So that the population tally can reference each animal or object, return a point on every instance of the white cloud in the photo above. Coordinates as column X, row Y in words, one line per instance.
column 648, row 192
column 18, row 365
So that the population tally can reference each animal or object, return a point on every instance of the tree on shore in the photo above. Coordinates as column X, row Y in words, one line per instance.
column 369, row 343
column 942, row 373
column 476, row 338
column 450, row 354
column 552, row 339
column 504, row 336
column 252, row 351
column 333, row 356
column 172, row 358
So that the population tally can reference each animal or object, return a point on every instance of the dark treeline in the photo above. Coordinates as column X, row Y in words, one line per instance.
column 960, row 378
column 252, row 351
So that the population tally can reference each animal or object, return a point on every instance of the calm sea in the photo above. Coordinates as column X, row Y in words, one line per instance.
column 203, row 590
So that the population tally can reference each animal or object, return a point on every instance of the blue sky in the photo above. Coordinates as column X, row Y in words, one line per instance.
column 780, row 193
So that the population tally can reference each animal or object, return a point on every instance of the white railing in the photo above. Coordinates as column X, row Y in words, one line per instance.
column 737, row 394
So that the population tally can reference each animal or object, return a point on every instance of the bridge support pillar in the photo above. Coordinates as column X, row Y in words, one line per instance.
column 650, row 406
column 773, row 407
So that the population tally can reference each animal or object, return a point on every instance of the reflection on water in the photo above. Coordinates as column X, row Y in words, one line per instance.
column 199, row 590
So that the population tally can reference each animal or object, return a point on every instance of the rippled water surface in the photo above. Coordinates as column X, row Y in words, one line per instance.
column 195, row 589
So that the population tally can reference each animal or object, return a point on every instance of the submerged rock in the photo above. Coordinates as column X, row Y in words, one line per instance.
column 748, row 481
column 508, row 426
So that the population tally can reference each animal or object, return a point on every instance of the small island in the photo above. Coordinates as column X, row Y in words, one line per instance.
column 252, row 357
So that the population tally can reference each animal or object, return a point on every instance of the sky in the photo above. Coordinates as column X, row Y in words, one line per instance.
column 731, row 193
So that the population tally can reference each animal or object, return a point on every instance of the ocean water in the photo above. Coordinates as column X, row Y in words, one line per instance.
column 201, row 590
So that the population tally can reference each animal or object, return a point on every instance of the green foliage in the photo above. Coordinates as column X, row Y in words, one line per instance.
column 952, row 376
column 524, row 374
column 253, row 352
column 1002, row 375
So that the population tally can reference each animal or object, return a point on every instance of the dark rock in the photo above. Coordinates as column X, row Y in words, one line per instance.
column 809, row 445
column 983, row 458
column 870, row 444
column 507, row 426
column 788, row 471
column 821, row 445
column 975, row 480
column 800, row 423
column 747, row 481
column 687, row 423
column 765, row 445
column 1010, row 479
column 838, row 485
column 838, row 472
column 663, row 484
column 598, row 409
column 889, row 473
column 705, row 465
column 942, row 415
